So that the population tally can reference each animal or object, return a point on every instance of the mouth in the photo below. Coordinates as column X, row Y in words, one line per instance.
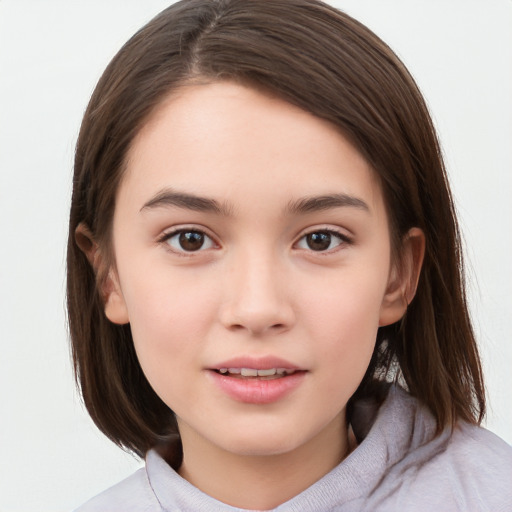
column 256, row 373
column 257, row 381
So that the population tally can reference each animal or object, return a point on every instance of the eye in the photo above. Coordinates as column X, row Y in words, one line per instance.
column 188, row 240
column 321, row 241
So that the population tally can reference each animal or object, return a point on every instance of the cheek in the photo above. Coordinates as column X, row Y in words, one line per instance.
column 348, row 303
column 169, row 320
column 344, row 323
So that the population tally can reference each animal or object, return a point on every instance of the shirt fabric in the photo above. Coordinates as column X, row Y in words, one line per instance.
column 399, row 465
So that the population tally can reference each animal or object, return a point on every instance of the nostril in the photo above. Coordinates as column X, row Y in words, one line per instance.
column 257, row 317
column 257, row 328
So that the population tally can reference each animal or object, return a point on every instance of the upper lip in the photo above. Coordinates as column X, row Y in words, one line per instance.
column 257, row 363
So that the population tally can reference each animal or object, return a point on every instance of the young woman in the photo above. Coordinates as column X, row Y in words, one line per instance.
column 265, row 285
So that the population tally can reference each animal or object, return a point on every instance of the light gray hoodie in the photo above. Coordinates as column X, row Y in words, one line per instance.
column 400, row 465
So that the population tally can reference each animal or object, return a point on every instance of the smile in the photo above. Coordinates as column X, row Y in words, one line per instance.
column 268, row 382
column 252, row 373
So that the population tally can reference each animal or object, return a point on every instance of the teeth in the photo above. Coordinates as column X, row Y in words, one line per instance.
column 252, row 372
column 267, row 373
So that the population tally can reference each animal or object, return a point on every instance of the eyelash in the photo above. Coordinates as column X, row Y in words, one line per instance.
column 168, row 236
column 344, row 240
column 206, row 239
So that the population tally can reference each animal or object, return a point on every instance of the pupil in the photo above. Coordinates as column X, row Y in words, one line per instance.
column 319, row 241
column 191, row 240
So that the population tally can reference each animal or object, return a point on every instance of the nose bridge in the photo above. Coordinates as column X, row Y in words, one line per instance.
column 257, row 298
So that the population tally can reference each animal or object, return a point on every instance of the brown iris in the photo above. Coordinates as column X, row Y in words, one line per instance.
column 191, row 240
column 319, row 241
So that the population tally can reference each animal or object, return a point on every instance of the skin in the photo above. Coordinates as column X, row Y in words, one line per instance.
column 255, row 288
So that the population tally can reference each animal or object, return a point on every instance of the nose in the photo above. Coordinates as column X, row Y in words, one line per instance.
column 257, row 296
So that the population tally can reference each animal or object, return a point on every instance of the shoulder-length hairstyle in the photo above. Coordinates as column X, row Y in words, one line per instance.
column 324, row 62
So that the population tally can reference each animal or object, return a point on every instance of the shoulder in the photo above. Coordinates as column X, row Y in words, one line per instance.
column 480, row 459
column 466, row 468
column 133, row 494
column 482, row 444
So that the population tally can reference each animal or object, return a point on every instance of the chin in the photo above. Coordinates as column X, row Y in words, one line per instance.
column 256, row 448
column 261, row 442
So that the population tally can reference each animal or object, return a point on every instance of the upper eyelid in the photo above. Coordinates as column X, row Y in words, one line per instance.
column 167, row 233
column 341, row 232
column 170, row 233
column 345, row 240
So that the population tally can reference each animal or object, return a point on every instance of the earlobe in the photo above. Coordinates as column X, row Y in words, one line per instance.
column 106, row 280
column 404, row 278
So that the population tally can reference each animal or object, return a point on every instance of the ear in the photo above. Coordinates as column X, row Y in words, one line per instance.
column 106, row 278
column 403, row 279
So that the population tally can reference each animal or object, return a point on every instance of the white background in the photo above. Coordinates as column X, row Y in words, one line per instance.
column 52, row 53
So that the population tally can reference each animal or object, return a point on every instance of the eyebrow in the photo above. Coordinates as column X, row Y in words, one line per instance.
column 326, row 202
column 169, row 197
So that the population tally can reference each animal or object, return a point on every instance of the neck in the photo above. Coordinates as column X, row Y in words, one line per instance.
column 261, row 482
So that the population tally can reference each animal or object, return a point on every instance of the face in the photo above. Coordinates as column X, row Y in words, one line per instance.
column 253, row 264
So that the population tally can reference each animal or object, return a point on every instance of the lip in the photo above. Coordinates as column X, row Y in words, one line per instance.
column 257, row 391
column 259, row 363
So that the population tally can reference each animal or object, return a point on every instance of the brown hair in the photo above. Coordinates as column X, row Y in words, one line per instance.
column 327, row 63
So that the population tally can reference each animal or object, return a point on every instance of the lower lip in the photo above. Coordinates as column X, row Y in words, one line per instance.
column 256, row 391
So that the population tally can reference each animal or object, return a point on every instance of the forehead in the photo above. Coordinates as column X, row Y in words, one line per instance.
column 238, row 144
